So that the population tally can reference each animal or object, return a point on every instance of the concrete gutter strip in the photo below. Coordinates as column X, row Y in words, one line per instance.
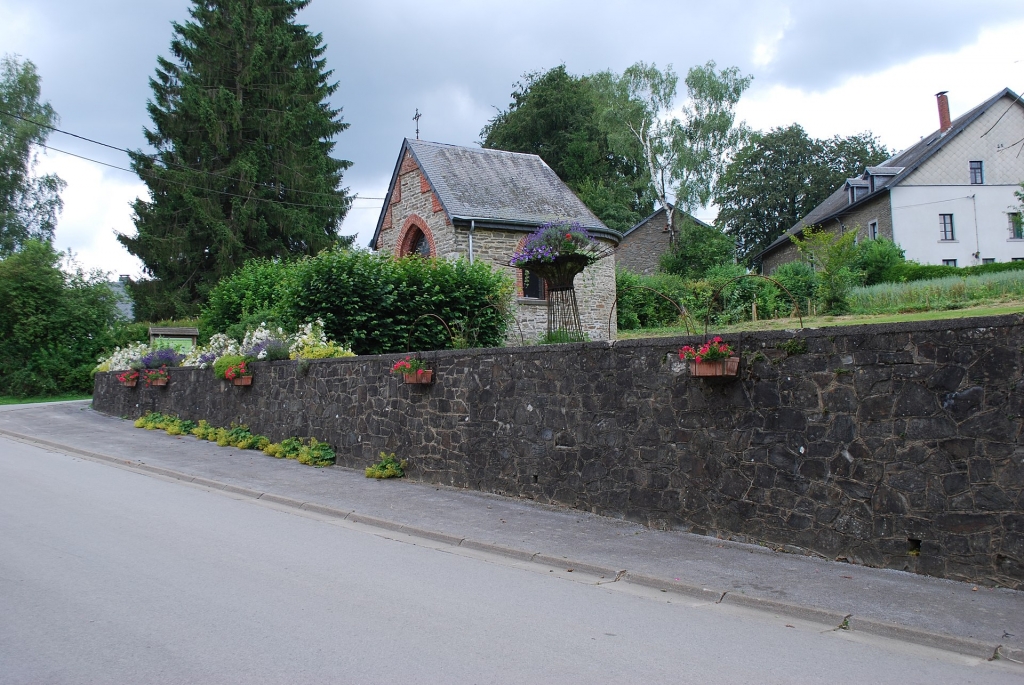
column 831, row 618
column 927, row 638
column 805, row 613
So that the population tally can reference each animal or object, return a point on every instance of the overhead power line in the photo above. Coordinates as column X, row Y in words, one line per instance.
column 155, row 158
column 188, row 185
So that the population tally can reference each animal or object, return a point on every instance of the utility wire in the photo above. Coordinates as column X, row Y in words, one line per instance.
column 155, row 158
column 188, row 185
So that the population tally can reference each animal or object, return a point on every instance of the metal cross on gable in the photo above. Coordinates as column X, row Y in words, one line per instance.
column 416, row 118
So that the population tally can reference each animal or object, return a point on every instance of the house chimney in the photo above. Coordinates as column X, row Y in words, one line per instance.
column 944, row 122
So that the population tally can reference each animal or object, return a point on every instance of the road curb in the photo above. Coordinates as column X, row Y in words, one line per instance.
column 832, row 618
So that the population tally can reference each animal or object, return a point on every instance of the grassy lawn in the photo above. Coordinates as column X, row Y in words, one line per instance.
column 5, row 399
column 825, row 321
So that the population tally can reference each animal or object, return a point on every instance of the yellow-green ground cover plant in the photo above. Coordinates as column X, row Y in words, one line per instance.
column 388, row 467
column 309, row 451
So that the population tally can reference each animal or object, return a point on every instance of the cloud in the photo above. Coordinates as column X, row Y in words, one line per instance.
column 898, row 103
column 457, row 61
column 827, row 43
column 96, row 206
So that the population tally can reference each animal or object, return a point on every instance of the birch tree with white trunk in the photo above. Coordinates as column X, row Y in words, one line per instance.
column 685, row 149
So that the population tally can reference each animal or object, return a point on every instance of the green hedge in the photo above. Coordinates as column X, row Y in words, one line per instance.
column 907, row 272
column 368, row 301
column 377, row 304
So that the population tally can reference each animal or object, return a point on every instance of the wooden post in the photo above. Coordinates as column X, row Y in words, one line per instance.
column 753, row 310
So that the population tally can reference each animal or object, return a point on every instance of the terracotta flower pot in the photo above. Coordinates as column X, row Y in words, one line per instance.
column 243, row 380
column 131, row 383
column 422, row 377
column 723, row 368
column 158, row 381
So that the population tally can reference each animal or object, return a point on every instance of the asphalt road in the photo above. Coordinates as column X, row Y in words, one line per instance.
column 111, row 576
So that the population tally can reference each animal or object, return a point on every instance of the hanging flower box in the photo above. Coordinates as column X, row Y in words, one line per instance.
column 723, row 368
column 413, row 371
column 713, row 359
column 156, row 377
column 422, row 377
column 128, row 378
column 239, row 374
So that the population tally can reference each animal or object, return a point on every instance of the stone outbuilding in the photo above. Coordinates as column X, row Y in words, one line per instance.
column 641, row 247
column 454, row 202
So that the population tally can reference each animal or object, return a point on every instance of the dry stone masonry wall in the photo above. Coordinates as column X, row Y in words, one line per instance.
column 894, row 446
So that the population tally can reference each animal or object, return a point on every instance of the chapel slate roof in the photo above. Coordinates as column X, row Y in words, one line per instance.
column 496, row 187
column 902, row 163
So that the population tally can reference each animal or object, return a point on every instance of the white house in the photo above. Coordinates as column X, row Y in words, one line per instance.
column 949, row 199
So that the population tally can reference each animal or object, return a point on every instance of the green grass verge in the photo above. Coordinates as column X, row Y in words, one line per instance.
column 824, row 321
column 6, row 399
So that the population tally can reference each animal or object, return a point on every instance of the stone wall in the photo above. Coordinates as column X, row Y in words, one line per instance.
column 894, row 446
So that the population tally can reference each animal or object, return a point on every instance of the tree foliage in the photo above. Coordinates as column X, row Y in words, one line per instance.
column 699, row 247
column 29, row 204
column 370, row 302
column 558, row 116
column 54, row 323
column 833, row 257
column 685, row 156
column 780, row 176
column 244, row 134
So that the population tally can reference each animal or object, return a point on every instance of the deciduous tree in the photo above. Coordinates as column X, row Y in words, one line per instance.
column 685, row 155
column 780, row 176
column 29, row 204
column 557, row 116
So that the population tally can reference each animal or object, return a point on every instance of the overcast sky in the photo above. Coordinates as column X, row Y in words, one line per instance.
column 834, row 68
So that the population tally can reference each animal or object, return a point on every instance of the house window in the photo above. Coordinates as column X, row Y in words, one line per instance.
column 1015, row 226
column 873, row 230
column 948, row 262
column 946, row 227
column 977, row 174
column 988, row 260
column 533, row 285
column 1017, row 259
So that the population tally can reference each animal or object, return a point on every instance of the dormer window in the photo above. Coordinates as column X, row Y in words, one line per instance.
column 977, row 174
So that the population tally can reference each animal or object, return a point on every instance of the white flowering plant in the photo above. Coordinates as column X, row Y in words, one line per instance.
column 204, row 356
column 123, row 358
column 265, row 344
column 311, row 343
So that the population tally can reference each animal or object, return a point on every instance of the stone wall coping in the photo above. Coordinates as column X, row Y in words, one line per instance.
column 674, row 342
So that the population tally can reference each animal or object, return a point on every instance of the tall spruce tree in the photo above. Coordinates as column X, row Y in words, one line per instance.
column 244, row 134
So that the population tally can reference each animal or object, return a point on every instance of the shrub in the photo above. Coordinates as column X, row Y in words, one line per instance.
column 204, row 356
column 799, row 278
column 54, row 323
column 640, row 308
column 876, row 257
column 312, row 453
column 246, row 298
column 265, row 344
column 371, row 302
column 224, row 363
column 832, row 255
column 387, row 467
column 311, row 343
